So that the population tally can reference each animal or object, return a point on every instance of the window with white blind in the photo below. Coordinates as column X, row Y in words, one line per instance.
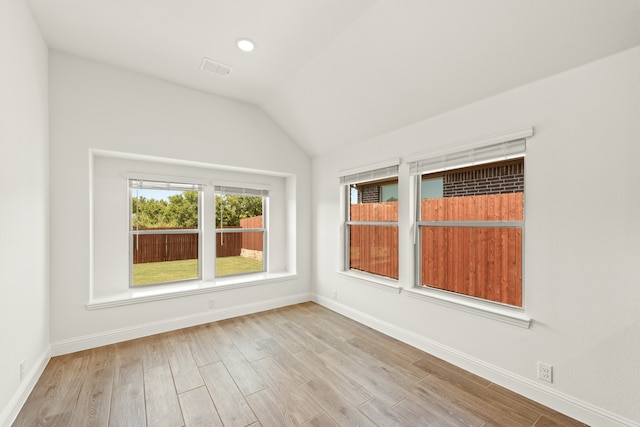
column 470, row 222
column 370, row 229
column 167, row 237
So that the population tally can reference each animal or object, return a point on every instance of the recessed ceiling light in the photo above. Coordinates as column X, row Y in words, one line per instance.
column 245, row 45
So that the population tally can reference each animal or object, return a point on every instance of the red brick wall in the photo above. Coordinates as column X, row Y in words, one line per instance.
column 502, row 178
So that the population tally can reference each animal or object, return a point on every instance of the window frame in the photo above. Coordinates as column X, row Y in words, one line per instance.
column 206, row 268
column 244, row 191
column 421, row 224
column 381, row 172
column 154, row 184
column 505, row 146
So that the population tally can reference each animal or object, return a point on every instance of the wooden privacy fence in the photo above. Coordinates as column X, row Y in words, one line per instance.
column 484, row 262
column 228, row 244
column 374, row 248
column 164, row 247
column 252, row 240
column 384, row 211
column 488, row 207
column 176, row 247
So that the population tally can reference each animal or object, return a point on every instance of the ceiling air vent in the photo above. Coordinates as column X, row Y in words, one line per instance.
column 215, row 67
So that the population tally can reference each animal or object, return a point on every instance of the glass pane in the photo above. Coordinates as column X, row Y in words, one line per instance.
column 374, row 201
column 480, row 262
column 163, row 209
column 374, row 249
column 238, row 211
column 238, row 253
column 389, row 193
column 159, row 258
column 432, row 188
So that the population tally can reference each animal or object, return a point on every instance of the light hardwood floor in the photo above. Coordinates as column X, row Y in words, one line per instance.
column 298, row 365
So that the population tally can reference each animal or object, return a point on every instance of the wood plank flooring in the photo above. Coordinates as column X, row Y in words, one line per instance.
column 302, row 365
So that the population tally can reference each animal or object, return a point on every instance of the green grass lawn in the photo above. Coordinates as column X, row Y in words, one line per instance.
column 169, row 271
column 236, row 264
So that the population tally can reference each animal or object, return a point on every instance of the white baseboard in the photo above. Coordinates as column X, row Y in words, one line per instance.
column 11, row 411
column 547, row 396
column 137, row 331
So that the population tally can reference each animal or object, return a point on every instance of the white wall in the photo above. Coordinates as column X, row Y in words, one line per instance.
column 582, row 247
column 24, row 224
column 94, row 106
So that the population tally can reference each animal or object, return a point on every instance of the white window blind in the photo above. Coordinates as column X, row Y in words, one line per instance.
column 160, row 185
column 469, row 157
column 240, row 191
column 370, row 175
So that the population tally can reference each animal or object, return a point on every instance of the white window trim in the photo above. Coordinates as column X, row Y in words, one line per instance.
column 372, row 280
column 503, row 313
column 181, row 289
column 485, row 308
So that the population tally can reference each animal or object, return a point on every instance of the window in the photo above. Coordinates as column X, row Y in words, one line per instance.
column 470, row 218
column 164, row 232
column 432, row 188
column 389, row 192
column 371, row 222
column 240, row 230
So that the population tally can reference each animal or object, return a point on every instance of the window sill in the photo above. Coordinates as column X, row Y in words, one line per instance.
column 513, row 316
column 196, row 287
column 388, row 285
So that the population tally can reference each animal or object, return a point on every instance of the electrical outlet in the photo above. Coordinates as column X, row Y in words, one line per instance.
column 545, row 372
column 212, row 303
column 22, row 373
column 335, row 294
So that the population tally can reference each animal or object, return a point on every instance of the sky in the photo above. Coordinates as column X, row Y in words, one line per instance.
column 154, row 194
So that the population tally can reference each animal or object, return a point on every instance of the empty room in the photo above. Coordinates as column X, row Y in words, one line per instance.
column 320, row 213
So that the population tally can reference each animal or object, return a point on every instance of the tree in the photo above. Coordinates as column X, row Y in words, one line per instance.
column 230, row 209
column 181, row 210
column 148, row 213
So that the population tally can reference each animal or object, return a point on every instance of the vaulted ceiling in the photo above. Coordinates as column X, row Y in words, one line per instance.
column 335, row 72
